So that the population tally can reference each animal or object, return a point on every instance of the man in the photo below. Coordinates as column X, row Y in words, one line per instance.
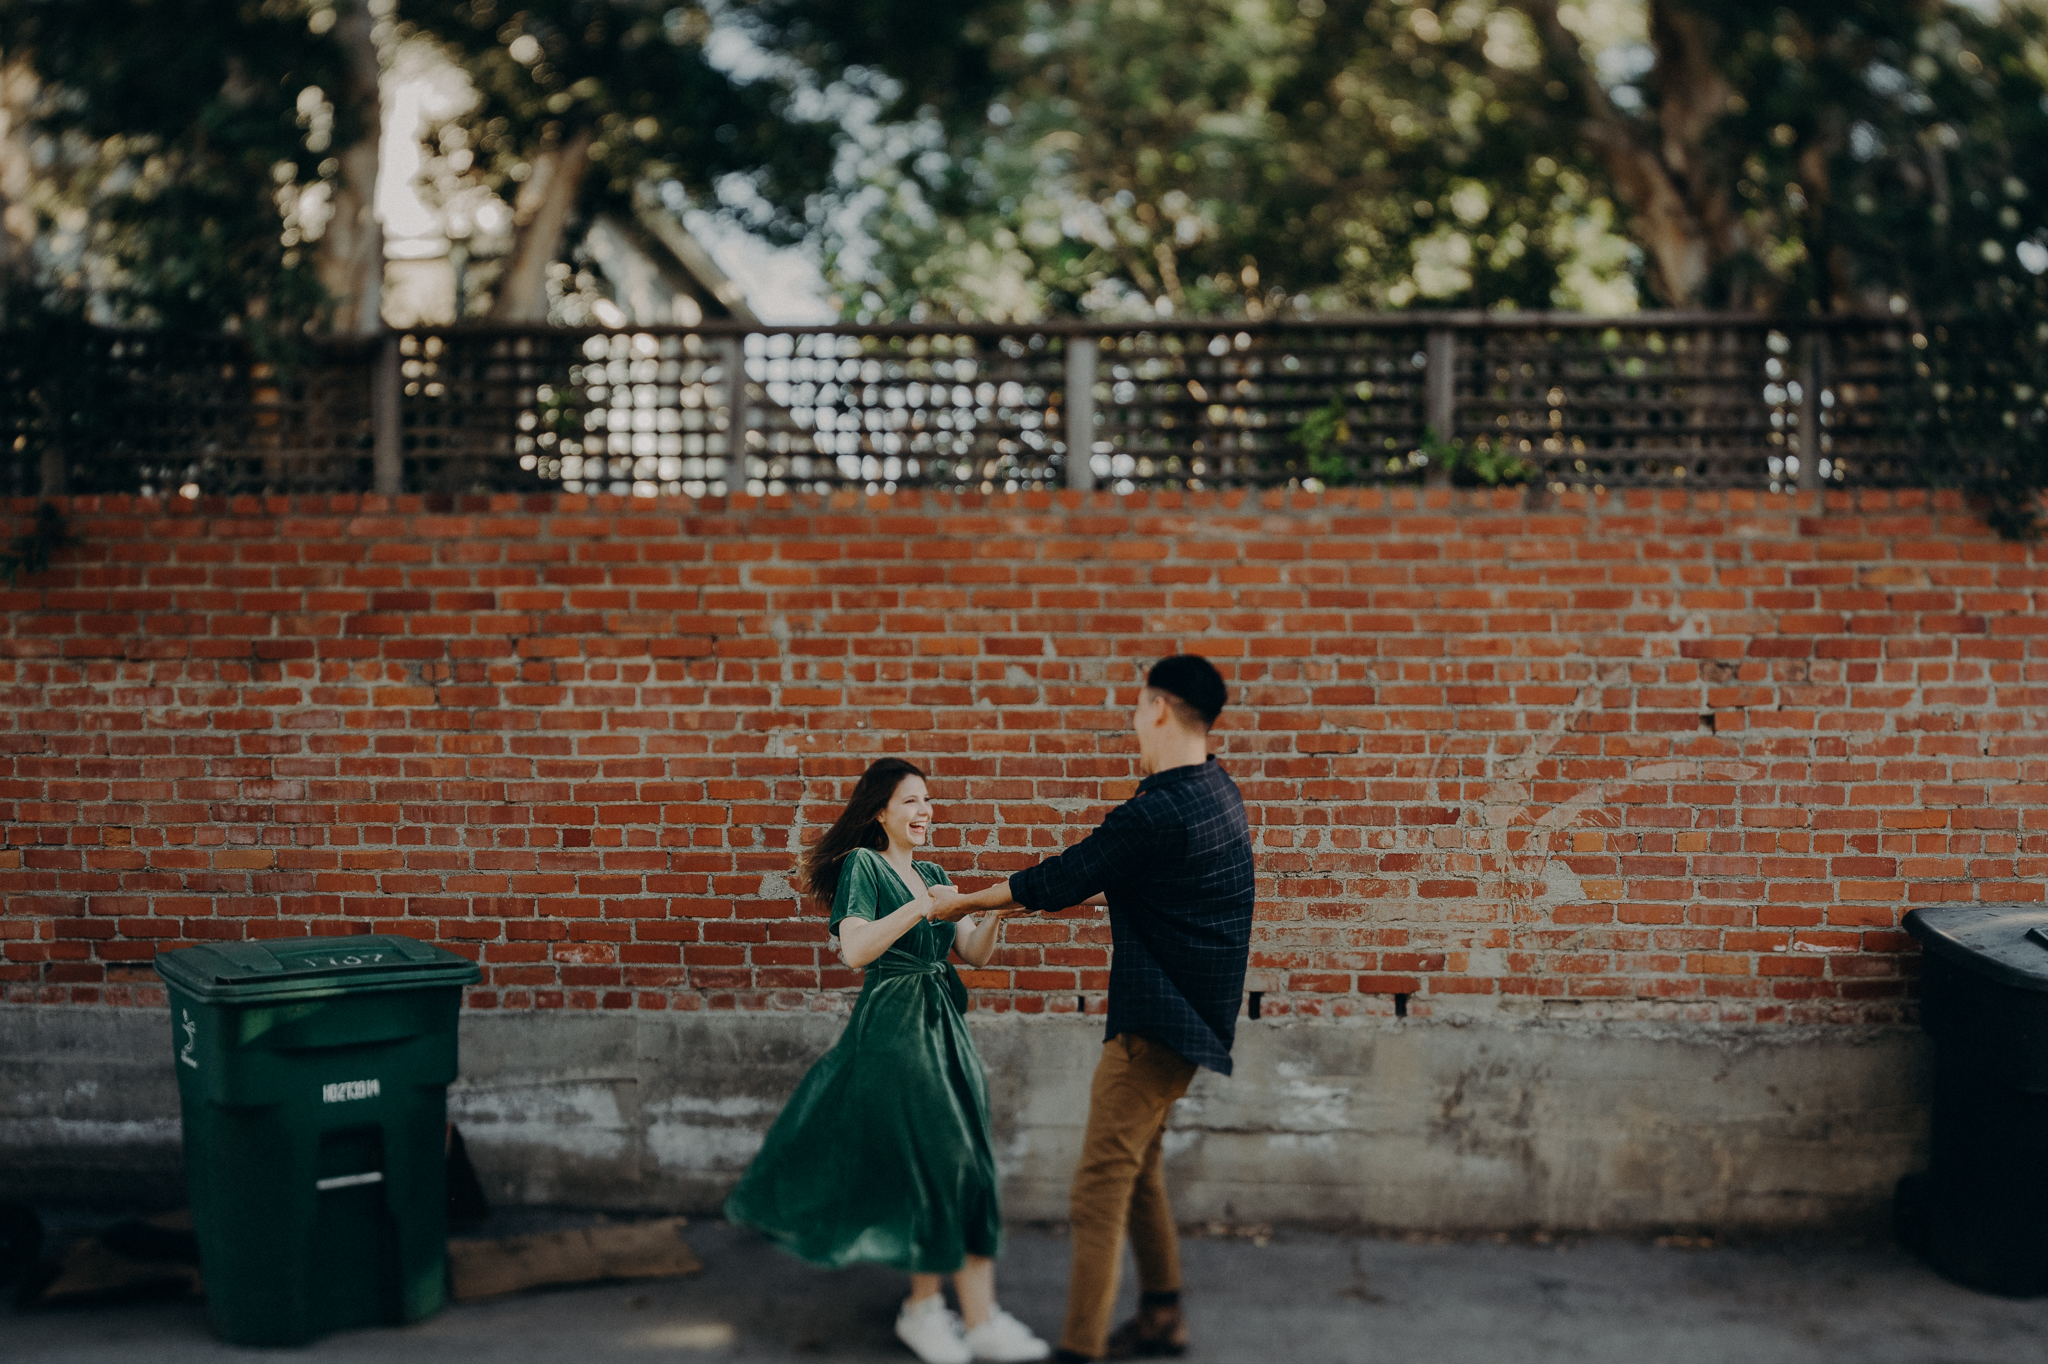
column 1175, row 861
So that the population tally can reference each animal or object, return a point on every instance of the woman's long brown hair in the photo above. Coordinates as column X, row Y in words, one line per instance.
column 818, row 871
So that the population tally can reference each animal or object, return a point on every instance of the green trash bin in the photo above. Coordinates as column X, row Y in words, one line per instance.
column 313, row 1078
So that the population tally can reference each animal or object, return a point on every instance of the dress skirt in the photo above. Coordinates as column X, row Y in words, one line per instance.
column 883, row 1154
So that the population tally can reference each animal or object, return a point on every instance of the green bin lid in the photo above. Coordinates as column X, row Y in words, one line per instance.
column 292, row 968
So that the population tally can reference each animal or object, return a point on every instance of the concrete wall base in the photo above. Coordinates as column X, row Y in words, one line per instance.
column 1369, row 1123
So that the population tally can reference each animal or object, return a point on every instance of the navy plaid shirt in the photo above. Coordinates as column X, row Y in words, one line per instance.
column 1176, row 860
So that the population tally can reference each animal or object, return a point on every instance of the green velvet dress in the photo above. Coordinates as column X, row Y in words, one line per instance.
column 883, row 1155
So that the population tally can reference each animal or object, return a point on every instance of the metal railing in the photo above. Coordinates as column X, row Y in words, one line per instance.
column 1708, row 400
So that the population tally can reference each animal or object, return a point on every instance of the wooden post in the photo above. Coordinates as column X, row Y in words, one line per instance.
column 1440, row 397
column 732, row 358
column 1081, row 353
column 1812, row 374
column 387, row 423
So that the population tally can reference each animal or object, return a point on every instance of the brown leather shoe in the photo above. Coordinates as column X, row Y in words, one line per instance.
column 1155, row 1333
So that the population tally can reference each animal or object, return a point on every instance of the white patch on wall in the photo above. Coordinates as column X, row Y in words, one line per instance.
column 730, row 1106
column 1309, row 1143
column 1305, row 1107
column 1561, row 886
column 86, row 1133
column 697, row 1147
column 1493, row 961
column 575, row 1118
column 1013, row 1155
column 714, row 1135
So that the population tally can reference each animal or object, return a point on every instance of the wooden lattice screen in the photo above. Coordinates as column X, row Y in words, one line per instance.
column 1655, row 399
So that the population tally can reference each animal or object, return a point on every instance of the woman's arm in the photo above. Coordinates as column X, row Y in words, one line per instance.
column 862, row 940
column 975, row 937
column 951, row 904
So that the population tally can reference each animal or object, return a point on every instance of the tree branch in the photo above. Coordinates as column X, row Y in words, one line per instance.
column 18, row 88
column 1664, row 183
column 350, row 256
column 540, row 220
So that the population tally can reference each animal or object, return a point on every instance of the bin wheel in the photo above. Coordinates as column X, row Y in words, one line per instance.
column 1912, row 1222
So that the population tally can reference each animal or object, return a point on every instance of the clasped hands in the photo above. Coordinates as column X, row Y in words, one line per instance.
column 949, row 904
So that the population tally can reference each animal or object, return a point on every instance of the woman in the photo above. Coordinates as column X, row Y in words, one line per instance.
column 883, row 1153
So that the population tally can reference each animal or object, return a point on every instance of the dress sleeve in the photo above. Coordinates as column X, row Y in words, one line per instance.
column 856, row 893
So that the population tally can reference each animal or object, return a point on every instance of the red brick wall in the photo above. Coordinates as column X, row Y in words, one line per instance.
column 1656, row 755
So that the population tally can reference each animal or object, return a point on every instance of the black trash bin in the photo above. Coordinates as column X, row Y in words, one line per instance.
column 1980, row 1213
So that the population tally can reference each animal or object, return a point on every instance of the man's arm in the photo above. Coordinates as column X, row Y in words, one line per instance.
column 1075, row 877
column 950, row 905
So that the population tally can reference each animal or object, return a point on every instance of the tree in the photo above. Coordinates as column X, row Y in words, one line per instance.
column 349, row 250
column 1238, row 157
column 584, row 101
column 1346, row 153
column 19, row 89
column 1789, row 155
column 192, row 145
column 216, row 159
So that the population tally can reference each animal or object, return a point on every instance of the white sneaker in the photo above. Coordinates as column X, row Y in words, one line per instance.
column 1003, row 1339
column 932, row 1332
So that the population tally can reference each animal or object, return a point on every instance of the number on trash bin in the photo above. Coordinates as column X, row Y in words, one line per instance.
column 352, row 959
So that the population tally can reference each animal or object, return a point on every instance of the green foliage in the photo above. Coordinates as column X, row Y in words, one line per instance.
column 1886, row 150
column 1320, row 438
column 762, row 136
column 1324, row 447
column 55, row 371
column 1019, row 158
column 1942, row 201
column 174, row 131
column 1226, row 157
column 1222, row 156
column 1477, row 463
column 1324, row 444
column 640, row 81
column 192, row 143
column 1982, row 413
column 32, row 551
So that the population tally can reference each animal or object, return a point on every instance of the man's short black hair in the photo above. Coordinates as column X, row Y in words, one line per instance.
column 1191, row 679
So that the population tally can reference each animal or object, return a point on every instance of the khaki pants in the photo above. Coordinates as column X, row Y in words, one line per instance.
column 1119, row 1186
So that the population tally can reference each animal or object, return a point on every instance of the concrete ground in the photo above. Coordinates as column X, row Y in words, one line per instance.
column 1292, row 1297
